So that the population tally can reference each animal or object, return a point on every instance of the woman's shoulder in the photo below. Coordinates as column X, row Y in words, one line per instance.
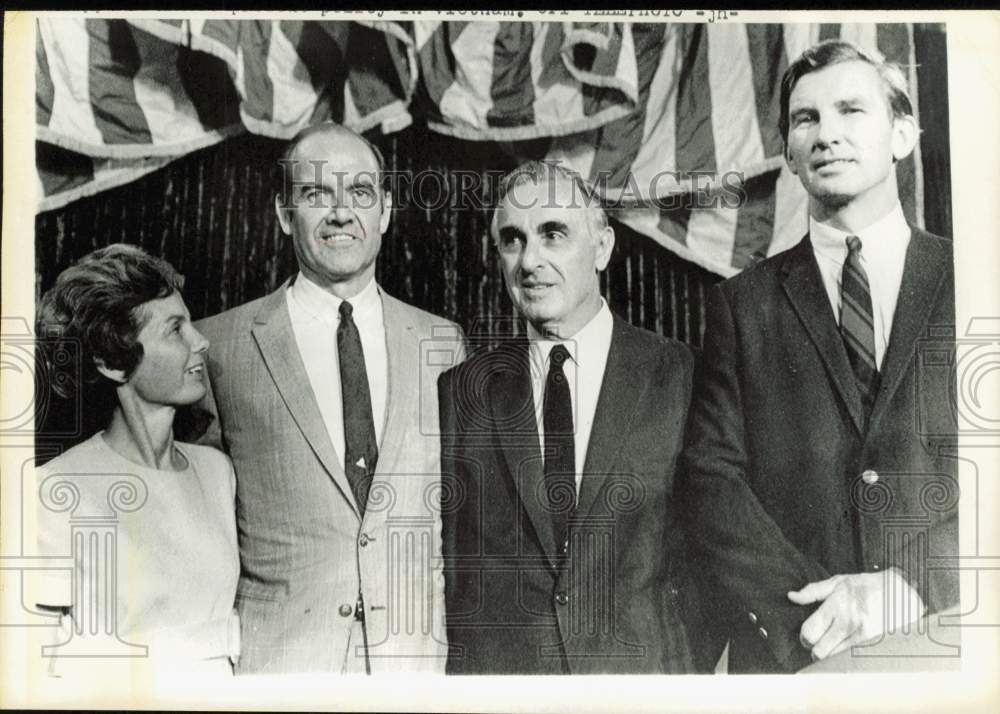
column 81, row 458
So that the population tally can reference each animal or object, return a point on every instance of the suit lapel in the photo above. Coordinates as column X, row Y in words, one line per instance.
column 513, row 409
column 923, row 275
column 621, row 391
column 273, row 333
column 401, row 351
column 804, row 287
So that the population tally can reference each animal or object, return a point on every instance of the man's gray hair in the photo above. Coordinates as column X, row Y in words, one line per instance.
column 536, row 172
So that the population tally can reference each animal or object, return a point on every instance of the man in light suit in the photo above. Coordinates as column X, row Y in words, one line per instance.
column 817, row 493
column 563, row 551
column 327, row 406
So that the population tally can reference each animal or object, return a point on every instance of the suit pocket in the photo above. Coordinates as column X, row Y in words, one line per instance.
column 258, row 591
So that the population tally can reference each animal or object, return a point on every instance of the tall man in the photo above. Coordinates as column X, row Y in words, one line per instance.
column 816, row 499
column 329, row 416
column 562, row 548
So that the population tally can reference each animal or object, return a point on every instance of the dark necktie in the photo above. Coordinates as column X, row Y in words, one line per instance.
column 560, row 458
column 857, row 327
column 360, row 445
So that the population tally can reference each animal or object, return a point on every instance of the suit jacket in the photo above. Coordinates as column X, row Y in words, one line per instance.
column 784, row 482
column 618, row 599
column 305, row 552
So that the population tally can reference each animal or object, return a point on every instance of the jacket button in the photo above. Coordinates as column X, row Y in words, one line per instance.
column 346, row 610
column 564, row 548
column 753, row 618
column 363, row 540
column 869, row 476
column 763, row 633
column 562, row 598
column 874, row 566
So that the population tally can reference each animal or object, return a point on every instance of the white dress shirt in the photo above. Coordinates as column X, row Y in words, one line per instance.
column 315, row 316
column 883, row 255
column 588, row 351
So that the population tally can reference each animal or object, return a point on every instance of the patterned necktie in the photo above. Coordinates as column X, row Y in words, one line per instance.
column 857, row 325
column 360, row 445
column 560, row 456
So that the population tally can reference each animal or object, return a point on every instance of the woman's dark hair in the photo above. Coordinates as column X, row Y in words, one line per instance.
column 94, row 311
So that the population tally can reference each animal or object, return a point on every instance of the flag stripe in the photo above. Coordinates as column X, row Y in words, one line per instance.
column 712, row 232
column 467, row 100
column 556, row 99
column 436, row 56
column 695, row 145
column 61, row 170
column 755, row 220
column 258, row 89
column 511, row 89
column 293, row 94
column 674, row 223
column 791, row 212
column 374, row 83
column 735, row 131
column 44, row 91
column 829, row 32
column 159, row 92
column 894, row 42
column 767, row 64
column 860, row 33
column 68, row 49
column 596, row 45
column 208, row 84
column 656, row 155
column 918, row 155
column 225, row 32
column 320, row 49
column 549, row 64
column 644, row 104
column 114, row 61
column 619, row 141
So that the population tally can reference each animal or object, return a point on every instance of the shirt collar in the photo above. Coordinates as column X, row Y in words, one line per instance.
column 584, row 343
column 321, row 302
column 883, row 241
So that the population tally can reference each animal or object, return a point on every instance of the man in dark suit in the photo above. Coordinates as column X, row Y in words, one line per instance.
column 815, row 496
column 563, row 552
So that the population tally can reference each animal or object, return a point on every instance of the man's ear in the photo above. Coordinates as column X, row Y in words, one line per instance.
column 788, row 160
column 605, row 245
column 383, row 224
column 115, row 375
column 282, row 212
column 905, row 134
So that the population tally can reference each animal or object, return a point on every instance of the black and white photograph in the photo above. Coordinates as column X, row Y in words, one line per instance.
column 388, row 360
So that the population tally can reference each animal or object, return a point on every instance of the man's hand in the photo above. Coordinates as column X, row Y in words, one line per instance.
column 856, row 608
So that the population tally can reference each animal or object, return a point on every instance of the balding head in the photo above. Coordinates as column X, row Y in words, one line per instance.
column 333, row 207
column 325, row 132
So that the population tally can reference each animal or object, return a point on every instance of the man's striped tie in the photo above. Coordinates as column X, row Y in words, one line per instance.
column 856, row 324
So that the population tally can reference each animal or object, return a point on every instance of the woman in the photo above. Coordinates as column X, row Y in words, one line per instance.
column 175, row 538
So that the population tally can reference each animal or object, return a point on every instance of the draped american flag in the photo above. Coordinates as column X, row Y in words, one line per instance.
column 648, row 111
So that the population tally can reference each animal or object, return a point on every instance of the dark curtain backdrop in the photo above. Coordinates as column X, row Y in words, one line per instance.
column 211, row 214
